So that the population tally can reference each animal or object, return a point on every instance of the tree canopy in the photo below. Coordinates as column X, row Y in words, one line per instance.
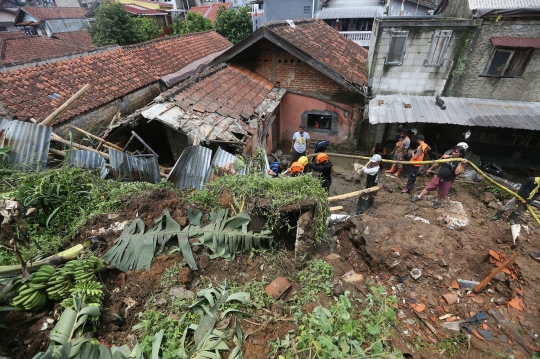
column 114, row 26
column 194, row 22
column 234, row 25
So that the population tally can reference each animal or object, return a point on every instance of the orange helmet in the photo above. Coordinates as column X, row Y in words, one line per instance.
column 297, row 168
column 321, row 158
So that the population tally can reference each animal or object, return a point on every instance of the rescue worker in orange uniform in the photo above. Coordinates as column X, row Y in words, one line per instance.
column 417, row 156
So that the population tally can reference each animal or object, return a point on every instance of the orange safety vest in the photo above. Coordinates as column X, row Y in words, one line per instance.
column 421, row 157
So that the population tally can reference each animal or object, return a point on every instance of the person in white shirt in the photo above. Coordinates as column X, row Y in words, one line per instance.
column 300, row 143
column 373, row 172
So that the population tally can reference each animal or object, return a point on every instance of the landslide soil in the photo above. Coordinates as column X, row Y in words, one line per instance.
column 367, row 244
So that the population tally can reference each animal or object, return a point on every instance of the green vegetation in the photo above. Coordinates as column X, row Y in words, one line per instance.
column 65, row 199
column 449, row 346
column 501, row 194
column 314, row 279
column 342, row 332
column 193, row 22
column 268, row 196
column 114, row 26
column 234, row 25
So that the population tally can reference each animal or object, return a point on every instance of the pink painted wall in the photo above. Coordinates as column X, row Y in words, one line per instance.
column 292, row 108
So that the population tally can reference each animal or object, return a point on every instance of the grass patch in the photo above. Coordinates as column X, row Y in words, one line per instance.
column 500, row 194
column 314, row 279
column 267, row 196
column 65, row 199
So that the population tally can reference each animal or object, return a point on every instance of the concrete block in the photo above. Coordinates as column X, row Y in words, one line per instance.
column 405, row 75
column 424, row 48
column 406, row 68
column 419, row 61
column 412, row 48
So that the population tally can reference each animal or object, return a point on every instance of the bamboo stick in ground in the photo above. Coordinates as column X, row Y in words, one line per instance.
column 336, row 208
column 352, row 194
column 60, row 110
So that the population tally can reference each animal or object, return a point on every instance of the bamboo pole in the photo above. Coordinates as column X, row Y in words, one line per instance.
column 109, row 144
column 336, row 208
column 60, row 110
column 352, row 194
column 59, row 139
column 443, row 160
column 483, row 283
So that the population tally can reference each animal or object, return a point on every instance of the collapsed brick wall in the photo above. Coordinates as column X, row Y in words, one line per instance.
column 280, row 66
column 96, row 120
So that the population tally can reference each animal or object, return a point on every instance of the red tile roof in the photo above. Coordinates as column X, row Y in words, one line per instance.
column 231, row 91
column 326, row 45
column 212, row 14
column 112, row 73
column 139, row 10
column 75, row 37
column 11, row 34
column 161, row 4
column 24, row 49
column 203, row 10
column 50, row 13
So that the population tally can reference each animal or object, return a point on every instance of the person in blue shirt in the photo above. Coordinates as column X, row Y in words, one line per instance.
column 277, row 167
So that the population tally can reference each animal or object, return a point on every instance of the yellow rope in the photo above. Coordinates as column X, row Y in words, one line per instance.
column 489, row 179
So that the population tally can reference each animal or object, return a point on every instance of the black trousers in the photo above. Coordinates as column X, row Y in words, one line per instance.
column 296, row 155
column 412, row 177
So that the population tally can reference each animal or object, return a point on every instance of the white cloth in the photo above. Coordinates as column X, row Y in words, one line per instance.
column 370, row 171
column 300, row 141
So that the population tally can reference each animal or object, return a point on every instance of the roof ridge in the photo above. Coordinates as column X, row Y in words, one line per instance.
column 166, row 38
column 277, row 23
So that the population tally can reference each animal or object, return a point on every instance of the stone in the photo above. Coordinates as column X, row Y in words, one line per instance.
column 443, row 263
column 121, row 279
column 493, row 205
column 185, row 275
column 450, row 298
column 501, row 277
column 182, row 292
column 487, row 197
column 417, row 251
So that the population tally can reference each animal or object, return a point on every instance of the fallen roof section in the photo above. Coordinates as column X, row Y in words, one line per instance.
column 26, row 155
column 113, row 73
column 459, row 111
column 318, row 45
column 192, row 168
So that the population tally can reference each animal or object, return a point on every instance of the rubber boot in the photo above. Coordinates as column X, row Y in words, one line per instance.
column 361, row 206
column 497, row 215
column 398, row 172
column 512, row 218
column 370, row 202
column 393, row 169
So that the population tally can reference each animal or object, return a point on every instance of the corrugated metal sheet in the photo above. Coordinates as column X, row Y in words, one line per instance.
column 459, row 111
column 516, row 41
column 349, row 12
column 30, row 144
column 87, row 159
column 503, row 4
column 192, row 168
column 225, row 161
column 128, row 168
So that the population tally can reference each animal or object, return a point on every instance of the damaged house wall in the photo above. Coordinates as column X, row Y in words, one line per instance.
column 468, row 79
column 428, row 54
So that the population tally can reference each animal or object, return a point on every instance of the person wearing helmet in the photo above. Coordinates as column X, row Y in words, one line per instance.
column 324, row 166
column 399, row 152
column 296, row 169
column 373, row 171
column 278, row 167
column 418, row 156
column 321, row 146
column 300, row 143
column 448, row 154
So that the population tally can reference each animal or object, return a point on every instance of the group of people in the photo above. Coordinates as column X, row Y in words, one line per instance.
column 300, row 163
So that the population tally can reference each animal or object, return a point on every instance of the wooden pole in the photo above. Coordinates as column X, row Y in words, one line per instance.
column 60, row 110
column 59, row 139
column 353, row 194
column 109, row 144
column 483, row 283
column 336, row 208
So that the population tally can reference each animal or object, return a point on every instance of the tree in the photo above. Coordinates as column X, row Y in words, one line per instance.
column 234, row 25
column 146, row 28
column 194, row 22
column 114, row 26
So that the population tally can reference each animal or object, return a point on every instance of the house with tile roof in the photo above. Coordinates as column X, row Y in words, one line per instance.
column 122, row 78
column 210, row 11
column 323, row 72
column 8, row 11
column 50, row 20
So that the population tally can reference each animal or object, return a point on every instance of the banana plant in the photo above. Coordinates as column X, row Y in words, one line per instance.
column 225, row 237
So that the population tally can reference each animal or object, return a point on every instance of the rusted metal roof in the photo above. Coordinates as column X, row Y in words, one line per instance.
column 30, row 144
column 459, row 111
column 87, row 159
column 516, row 41
column 129, row 168
column 192, row 168
column 225, row 161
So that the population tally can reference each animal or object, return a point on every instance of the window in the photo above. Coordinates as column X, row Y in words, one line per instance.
column 439, row 44
column 319, row 122
column 396, row 50
column 508, row 62
column 307, row 10
column 3, row 28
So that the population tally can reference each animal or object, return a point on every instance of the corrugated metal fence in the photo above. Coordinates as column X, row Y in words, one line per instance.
column 30, row 144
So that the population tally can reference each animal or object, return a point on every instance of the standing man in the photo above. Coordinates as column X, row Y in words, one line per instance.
column 300, row 143
column 417, row 156
column 530, row 190
column 399, row 152
column 324, row 166
column 373, row 171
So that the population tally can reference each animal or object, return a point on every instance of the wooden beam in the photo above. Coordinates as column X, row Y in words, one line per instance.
column 110, row 144
column 60, row 110
column 59, row 139
column 352, row 194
